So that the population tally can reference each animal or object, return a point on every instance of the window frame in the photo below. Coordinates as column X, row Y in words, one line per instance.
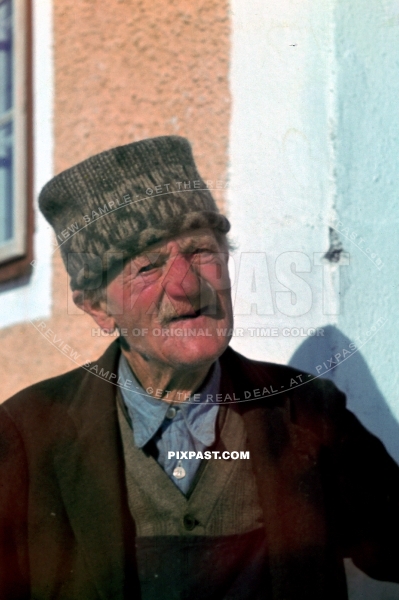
column 16, row 255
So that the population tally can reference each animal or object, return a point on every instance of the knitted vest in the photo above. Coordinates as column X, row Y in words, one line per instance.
column 223, row 502
column 208, row 545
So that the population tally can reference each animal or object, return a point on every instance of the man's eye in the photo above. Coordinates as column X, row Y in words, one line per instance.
column 203, row 255
column 147, row 268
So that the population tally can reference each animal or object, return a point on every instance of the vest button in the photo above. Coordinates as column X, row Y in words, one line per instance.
column 189, row 522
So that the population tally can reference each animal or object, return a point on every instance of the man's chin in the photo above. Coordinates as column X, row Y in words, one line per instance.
column 194, row 341
column 194, row 351
column 184, row 342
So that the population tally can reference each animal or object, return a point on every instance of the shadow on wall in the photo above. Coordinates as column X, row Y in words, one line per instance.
column 353, row 377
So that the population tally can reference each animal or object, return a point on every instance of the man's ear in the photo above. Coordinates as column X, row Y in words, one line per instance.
column 97, row 311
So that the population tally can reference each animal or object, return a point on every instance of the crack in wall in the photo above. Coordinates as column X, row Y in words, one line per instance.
column 336, row 248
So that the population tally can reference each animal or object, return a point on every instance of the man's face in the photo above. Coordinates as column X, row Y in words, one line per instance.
column 174, row 300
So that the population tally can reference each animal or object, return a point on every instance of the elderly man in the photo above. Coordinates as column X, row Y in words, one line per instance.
column 145, row 474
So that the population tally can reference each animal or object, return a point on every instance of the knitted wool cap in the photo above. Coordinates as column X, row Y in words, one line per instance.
column 117, row 203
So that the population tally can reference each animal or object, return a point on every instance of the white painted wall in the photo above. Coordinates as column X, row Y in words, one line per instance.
column 367, row 150
column 280, row 154
column 314, row 144
column 33, row 300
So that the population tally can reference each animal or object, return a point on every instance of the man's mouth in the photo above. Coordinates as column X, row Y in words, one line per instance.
column 192, row 314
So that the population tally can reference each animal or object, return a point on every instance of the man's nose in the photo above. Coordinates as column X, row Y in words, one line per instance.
column 181, row 281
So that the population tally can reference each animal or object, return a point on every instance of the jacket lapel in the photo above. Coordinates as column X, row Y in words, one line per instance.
column 89, row 467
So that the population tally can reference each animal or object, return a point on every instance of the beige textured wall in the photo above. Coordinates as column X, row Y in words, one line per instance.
column 124, row 70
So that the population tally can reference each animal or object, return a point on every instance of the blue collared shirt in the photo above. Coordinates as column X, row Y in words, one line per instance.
column 190, row 427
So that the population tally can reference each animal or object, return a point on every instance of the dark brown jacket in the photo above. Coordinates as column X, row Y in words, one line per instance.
column 327, row 487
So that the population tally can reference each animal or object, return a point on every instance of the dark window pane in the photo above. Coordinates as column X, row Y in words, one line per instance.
column 6, row 182
column 6, row 79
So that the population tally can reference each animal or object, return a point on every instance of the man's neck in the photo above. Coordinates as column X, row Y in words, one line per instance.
column 166, row 382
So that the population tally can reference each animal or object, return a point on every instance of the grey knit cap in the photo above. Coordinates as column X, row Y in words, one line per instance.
column 115, row 204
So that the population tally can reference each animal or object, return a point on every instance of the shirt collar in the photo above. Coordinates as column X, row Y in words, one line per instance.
column 148, row 413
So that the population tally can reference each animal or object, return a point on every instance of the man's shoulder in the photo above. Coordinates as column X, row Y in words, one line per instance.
column 49, row 389
column 271, row 384
column 286, row 376
column 38, row 411
column 60, row 390
column 257, row 368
